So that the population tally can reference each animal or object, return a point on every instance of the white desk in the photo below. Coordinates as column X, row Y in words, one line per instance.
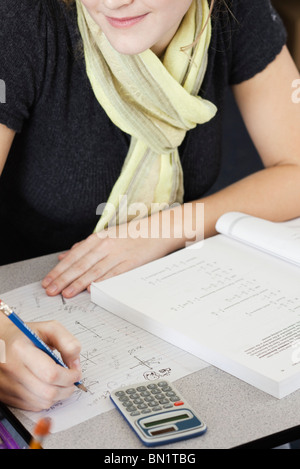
column 235, row 413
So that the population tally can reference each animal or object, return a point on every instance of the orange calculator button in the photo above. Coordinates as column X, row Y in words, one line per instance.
column 178, row 403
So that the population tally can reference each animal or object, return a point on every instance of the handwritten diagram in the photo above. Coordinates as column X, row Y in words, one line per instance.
column 114, row 352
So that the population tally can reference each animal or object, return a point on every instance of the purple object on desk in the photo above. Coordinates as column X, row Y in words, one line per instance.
column 6, row 440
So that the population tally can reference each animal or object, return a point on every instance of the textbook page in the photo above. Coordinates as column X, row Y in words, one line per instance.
column 114, row 352
column 279, row 239
column 229, row 304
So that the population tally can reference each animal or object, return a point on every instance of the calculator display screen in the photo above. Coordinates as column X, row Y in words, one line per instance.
column 163, row 431
column 166, row 420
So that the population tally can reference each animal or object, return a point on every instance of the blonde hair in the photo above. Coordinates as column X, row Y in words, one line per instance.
column 189, row 46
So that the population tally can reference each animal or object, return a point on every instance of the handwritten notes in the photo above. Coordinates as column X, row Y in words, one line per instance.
column 114, row 352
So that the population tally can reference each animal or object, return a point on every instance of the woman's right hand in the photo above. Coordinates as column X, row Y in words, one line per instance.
column 29, row 378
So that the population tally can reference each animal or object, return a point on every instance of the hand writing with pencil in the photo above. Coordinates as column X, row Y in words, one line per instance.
column 30, row 379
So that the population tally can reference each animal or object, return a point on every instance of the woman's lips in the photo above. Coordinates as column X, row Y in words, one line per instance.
column 125, row 22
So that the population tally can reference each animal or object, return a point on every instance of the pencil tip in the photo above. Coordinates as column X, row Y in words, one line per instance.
column 82, row 387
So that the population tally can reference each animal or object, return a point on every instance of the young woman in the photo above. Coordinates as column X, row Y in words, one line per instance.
column 106, row 98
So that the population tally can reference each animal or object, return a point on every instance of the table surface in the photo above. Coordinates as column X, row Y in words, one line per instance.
column 236, row 413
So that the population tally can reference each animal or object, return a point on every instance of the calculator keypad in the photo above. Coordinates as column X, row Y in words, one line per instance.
column 148, row 398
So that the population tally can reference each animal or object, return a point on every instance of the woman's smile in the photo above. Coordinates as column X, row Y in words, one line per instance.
column 133, row 26
column 125, row 22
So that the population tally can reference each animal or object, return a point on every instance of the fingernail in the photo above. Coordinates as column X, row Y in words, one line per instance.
column 52, row 289
column 46, row 282
column 69, row 291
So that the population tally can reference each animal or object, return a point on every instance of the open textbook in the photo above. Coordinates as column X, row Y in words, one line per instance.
column 232, row 300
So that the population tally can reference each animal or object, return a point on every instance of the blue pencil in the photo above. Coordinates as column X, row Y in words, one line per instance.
column 34, row 338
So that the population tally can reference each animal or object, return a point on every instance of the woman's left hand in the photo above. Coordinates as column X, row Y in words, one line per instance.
column 106, row 254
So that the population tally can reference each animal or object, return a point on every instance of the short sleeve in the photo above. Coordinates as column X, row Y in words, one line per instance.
column 258, row 36
column 22, row 35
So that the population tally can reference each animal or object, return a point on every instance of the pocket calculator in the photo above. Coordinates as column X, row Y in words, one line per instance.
column 157, row 412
